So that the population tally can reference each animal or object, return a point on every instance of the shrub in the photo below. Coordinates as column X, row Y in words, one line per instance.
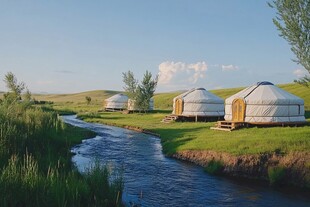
column 276, row 175
column 214, row 167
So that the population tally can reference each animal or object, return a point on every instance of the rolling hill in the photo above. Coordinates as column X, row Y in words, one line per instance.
column 162, row 100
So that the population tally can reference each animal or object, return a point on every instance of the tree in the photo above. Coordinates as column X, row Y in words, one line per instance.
column 88, row 99
column 293, row 22
column 27, row 95
column 130, row 84
column 142, row 93
column 145, row 91
column 15, row 88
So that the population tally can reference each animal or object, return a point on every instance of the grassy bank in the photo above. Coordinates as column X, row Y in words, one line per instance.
column 198, row 136
column 180, row 136
column 35, row 162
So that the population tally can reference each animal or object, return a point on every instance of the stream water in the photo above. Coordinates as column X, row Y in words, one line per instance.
column 151, row 179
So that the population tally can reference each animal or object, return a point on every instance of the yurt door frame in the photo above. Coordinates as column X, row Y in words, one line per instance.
column 178, row 106
column 238, row 110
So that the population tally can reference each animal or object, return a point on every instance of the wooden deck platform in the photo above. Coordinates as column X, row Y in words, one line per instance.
column 232, row 125
column 228, row 125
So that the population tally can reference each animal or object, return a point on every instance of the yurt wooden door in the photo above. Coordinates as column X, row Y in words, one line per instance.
column 178, row 106
column 238, row 110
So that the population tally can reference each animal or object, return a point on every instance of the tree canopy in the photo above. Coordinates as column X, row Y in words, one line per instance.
column 130, row 84
column 293, row 22
column 15, row 88
column 141, row 93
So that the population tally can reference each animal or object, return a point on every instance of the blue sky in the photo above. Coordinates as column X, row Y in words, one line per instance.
column 74, row 46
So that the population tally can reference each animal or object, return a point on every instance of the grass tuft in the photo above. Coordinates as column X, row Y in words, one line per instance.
column 214, row 167
column 276, row 175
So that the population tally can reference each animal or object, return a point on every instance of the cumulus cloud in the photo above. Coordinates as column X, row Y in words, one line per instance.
column 229, row 67
column 299, row 73
column 170, row 71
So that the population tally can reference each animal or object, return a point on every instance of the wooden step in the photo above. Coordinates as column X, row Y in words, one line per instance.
column 169, row 118
column 227, row 125
column 221, row 129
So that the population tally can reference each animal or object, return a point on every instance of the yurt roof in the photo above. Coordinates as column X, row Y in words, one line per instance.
column 199, row 95
column 118, row 98
column 265, row 93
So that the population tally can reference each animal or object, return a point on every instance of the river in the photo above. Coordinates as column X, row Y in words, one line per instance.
column 151, row 179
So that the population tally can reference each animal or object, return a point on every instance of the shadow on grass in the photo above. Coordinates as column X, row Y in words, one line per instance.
column 153, row 112
column 307, row 114
column 173, row 138
column 110, row 118
column 162, row 111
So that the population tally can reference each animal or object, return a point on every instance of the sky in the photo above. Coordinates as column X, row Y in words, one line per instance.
column 73, row 46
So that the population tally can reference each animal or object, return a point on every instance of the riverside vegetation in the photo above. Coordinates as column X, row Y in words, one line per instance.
column 181, row 137
column 35, row 161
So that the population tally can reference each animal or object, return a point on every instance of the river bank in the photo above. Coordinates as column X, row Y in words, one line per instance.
column 279, row 155
column 293, row 168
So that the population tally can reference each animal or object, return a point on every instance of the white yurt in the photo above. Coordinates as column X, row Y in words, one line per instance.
column 264, row 103
column 131, row 105
column 116, row 102
column 198, row 102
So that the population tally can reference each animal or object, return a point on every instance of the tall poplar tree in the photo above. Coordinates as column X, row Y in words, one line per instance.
column 293, row 22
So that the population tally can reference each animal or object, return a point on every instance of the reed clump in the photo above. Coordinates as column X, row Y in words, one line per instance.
column 35, row 163
column 276, row 175
column 214, row 167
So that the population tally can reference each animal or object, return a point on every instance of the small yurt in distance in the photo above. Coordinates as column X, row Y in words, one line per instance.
column 132, row 107
column 116, row 102
column 198, row 102
column 264, row 103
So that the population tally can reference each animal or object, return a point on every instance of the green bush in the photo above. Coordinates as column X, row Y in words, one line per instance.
column 214, row 167
column 276, row 175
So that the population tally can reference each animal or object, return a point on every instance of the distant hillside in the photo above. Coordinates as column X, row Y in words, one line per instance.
column 96, row 96
column 164, row 100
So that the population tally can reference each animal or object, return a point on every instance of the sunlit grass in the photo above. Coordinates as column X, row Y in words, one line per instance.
column 178, row 136
column 198, row 136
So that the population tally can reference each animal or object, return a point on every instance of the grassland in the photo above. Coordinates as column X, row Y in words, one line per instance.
column 180, row 136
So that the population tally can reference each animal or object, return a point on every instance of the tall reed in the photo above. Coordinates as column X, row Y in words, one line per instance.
column 35, row 163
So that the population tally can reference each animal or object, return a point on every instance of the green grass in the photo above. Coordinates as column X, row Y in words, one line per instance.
column 36, row 167
column 276, row 175
column 178, row 136
column 198, row 136
column 214, row 167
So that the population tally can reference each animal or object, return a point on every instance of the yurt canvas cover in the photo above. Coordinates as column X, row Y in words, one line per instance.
column 264, row 103
column 118, row 101
column 131, row 105
column 198, row 102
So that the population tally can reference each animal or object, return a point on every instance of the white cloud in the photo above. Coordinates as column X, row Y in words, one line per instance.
column 300, row 73
column 172, row 72
column 229, row 67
